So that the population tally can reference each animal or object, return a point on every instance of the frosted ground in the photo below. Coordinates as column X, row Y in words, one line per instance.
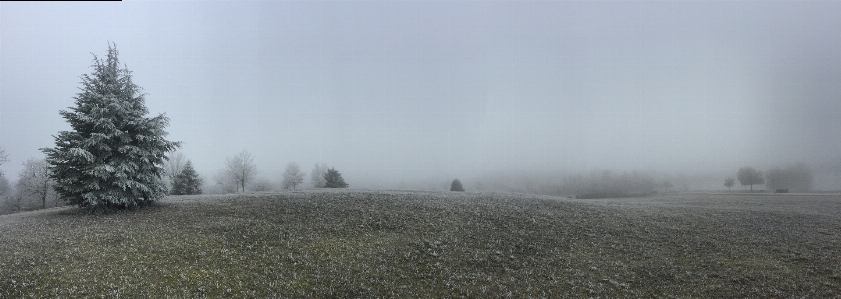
column 358, row 243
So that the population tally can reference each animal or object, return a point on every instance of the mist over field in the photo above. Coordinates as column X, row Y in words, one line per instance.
column 505, row 96
column 607, row 149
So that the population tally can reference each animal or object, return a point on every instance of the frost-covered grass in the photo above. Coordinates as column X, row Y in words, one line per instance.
column 346, row 243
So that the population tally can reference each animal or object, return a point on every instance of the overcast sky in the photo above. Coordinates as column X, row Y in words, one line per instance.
column 389, row 91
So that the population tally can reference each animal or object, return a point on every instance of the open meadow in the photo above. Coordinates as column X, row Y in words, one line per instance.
column 358, row 243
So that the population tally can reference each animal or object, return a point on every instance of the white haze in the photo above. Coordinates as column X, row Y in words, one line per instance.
column 409, row 95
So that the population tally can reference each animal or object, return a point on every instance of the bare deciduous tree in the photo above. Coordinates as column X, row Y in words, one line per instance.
column 225, row 182
column 728, row 182
column 750, row 176
column 9, row 203
column 173, row 167
column 3, row 156
column 292, row 176
column 5, row 187
column 35, row 181
column 241, row 169
column 317, row 176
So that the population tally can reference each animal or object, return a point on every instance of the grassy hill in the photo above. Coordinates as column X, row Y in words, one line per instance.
column 346, row 243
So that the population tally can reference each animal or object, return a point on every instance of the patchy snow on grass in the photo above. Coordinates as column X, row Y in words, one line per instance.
column 394, row 243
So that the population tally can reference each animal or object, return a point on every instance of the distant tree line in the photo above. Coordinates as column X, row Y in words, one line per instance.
column 35, row 188
column 602, row 183
column 795, row 177
column 608, row 185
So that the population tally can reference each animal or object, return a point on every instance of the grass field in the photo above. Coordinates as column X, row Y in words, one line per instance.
column 347, row 243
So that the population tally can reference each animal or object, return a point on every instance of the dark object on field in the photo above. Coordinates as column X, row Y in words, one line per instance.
column 781, row 191
column 456, row 186
column 333, row 179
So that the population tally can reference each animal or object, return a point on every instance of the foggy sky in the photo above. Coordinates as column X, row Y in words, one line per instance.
column 388, row 92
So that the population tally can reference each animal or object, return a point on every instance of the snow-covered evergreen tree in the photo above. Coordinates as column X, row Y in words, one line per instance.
column 456, row 186
column 333, row 179
column 187, row 181
column 113, row 156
